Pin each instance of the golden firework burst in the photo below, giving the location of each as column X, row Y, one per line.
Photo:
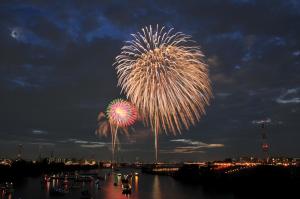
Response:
column 164, row 75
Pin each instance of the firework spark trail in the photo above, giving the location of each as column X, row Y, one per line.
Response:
column 165, row 78
column 104, row 127
column 120, row 115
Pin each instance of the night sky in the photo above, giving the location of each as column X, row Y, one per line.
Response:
column 56, row 75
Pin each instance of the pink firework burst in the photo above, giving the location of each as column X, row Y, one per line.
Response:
column 121, row 113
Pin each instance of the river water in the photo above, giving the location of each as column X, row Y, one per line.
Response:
column 144, row 186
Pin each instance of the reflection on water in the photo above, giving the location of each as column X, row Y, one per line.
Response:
column 136, row 184
column 4, row 195
column 156, row 188
column 109, row 190
column 144, row 186
column 9, row 196
column 6, row 190
column 47, row 187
